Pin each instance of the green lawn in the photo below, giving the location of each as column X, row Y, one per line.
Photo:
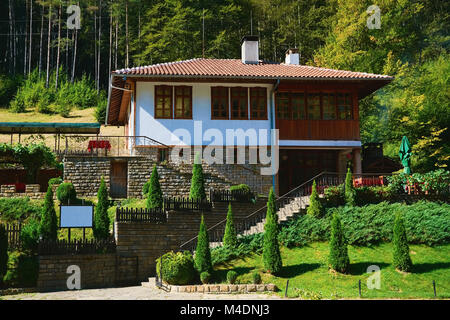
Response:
column 306, row 268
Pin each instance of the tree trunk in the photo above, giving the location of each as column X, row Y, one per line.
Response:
column 110, row 40
column 40, row 41
column 95, row 47
column 48, row 45
column 25, row 47
column 31, row 36
column 12, row 61
column 99, row 45
column 67, row 46
column 59, row 47
column 126, row 33
column 116, row 38
column 74, row 55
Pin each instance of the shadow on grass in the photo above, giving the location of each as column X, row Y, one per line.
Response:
column 296, row 270
column 357, row 269
column 427, row 267
column 221, row 275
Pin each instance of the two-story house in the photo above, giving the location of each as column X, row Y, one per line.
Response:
column 225, row 102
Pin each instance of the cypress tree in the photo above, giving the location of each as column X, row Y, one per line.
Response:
column 315, row 207
column 154, row 195
column 230, row 238
column 338, row 258
column 271, row 250
column 349, row 189
column 202, row 260
column 197, row 191
column 48, row 227
column 101, row 219
column 3, row 252
column 402, row 260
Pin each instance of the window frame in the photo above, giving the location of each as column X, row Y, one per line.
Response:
column 240, row 99
column 164, row 96
column 350, row 106
column 213, row 96
column 183, row 96
column 258, row 97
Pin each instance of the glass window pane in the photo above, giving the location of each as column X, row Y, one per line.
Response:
column 314, row 106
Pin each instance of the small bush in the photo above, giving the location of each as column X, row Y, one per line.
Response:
column 48, row 227
column 402, row 260
column 22, row 271
column 241, row 188
column 231, row 277
column 202, row 260
column 349, row 189
column 205, row 277
column 338, row 258
column 197, row 191
column 101, row 218
column 256, row 278
column 3, row 252
column 66, row 192
column 19, row 209
column 154, row 194
column 177, row 268
column 53, row 181
column 29, row 235
column 271, row 250
column 315, row 207
column 334, row 196
column 230, row 237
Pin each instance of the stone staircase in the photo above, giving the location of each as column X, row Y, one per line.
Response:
column 285, row 213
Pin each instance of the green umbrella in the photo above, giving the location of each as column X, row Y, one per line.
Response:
column 405, row 155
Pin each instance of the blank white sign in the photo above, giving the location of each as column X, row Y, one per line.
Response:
column 76, row 216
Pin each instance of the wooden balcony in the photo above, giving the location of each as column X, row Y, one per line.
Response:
column 318, row 129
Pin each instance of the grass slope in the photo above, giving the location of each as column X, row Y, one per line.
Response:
column 306, row 268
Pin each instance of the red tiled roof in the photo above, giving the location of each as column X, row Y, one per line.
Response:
column 234, row 68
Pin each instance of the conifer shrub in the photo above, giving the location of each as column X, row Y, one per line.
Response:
column 177, row 268
column 197, row 191
column 101, row 218
column 23, row 270
column 315, row 207
column 231, row 276
column 256, row 278
column 3, row 252
column 154, row 194
column 350, row 197
column 202, row 260
column 230, row 238
column 66, row 193
column 48, row 227
column 401, row 258
column 338, row 258
column 271, row 250
column 205, row 277
column 29, row 235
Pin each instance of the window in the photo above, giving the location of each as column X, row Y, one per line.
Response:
column 219, row 102
column 329, row 106
column 283, row 110
column 239, row 103
column 344, row 106
column 314, row 106
column 163, row 102
column 298, row 106
column 258, row 103
column 183, row 102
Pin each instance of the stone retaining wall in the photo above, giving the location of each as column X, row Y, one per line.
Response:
column 224, row 288
column 148, row 241
column 97, row 271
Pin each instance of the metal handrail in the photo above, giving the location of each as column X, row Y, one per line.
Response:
column 292, row 194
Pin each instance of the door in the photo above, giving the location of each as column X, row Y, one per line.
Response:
column 298, row 166
column 119, row 173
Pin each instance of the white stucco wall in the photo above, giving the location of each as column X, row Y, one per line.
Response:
column 163, row 130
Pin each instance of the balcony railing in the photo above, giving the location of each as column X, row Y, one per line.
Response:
column 107, row 146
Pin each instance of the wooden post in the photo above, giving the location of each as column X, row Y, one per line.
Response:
column 68, row 234
column 287, row 285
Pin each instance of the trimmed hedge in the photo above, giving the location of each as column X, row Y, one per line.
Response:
column 425, row 222
column 177, row 268
column 66, row 192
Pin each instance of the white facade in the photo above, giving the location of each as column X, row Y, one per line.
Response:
column 167, row 131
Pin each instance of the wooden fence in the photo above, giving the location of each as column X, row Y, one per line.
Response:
column 13, row 234
column 60, row 247
column 230, row 196
column 156, row 215
column 185, row 204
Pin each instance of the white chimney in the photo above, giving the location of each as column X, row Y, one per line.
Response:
column 250, row 49
column 292, row 56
